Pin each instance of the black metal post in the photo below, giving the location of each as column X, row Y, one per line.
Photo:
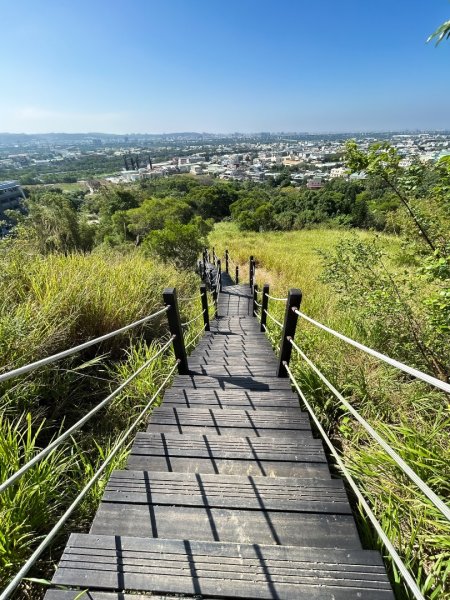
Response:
column 237, row 274
column 265, row 305
column 250, row 266
column 219, row 273
column 294, row 300
column 204, row 297
column 255, row 299
column 214, row 295
column 173, row 316
column 226, row 261
column 254, row 268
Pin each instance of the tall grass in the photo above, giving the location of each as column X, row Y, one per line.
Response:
column 48, row 304
column 412, row 417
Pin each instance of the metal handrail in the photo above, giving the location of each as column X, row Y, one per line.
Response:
column 442, row 385
column 194, row 319
column 50, row 359
column 53, row 445
column 275, row 298
column 190, row 299
column 427, row 491
column 197, row 336
column 51, row 535
column 273, row 318
column 376, row 524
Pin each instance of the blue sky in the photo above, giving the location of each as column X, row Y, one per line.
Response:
column 238, row 65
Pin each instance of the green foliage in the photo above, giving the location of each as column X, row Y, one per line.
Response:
column 153, row 214
column 178, row 244
column 388, row 305
column 50, row 303
column 212, row 202
column 442, row 33
column 365, row 294
column 52, row 224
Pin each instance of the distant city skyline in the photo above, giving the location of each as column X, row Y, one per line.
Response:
column 243, row 66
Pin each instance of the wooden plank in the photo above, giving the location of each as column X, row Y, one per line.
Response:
column 226, row 525
column 231, row 371
column 269, row 457
column 95, row 595
column 221, row 399
column 229, row 422
column 211, row 445
column 232, row 383
column 232, row 570
column 287, row 494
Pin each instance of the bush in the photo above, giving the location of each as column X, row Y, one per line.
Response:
column 177, row 244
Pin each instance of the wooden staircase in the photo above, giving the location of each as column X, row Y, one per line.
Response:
column 227, row 494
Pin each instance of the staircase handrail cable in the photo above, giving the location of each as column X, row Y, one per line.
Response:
column 273, row 319
column 56, row 442
column 188, row 300
column 390, row 361
column 275, row 298
column 376, row 524
column 196, row 337
column 51, row 535
column 55, row 357
column 194, row 319
column 427, row 491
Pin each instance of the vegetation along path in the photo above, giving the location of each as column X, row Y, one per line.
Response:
column 227, row 494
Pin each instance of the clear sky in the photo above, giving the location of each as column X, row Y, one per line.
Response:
column 156, row 66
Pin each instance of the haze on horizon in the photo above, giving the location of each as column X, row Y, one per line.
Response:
column 243, row 66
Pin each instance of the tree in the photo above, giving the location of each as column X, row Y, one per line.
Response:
column 155, row 212
column 441, row 33
column 383, row 160
column 177, row 244
column 52, row 223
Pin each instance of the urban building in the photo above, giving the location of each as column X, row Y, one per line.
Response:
column 11, row 195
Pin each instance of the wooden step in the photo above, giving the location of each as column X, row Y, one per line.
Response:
column 280, row 400
column 247, row 571
column 215, row 370
column 230, row 509
column 283, row 494
column 230, row 422
column 211, row 453
column 259, row 383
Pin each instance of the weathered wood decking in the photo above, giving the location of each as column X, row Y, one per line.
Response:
column 227, row 495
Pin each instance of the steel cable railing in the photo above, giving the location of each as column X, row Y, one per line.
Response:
column 196, row 337
column 275, row 298
column 190, row 299
column 55, row 357
column 442, row 385
column 427, row 491
column 55, row 443
column 377, row 526
column 54, row 531
column 193, row 319
column 273, row 319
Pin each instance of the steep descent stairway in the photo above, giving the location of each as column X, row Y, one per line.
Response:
column 227, row 494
